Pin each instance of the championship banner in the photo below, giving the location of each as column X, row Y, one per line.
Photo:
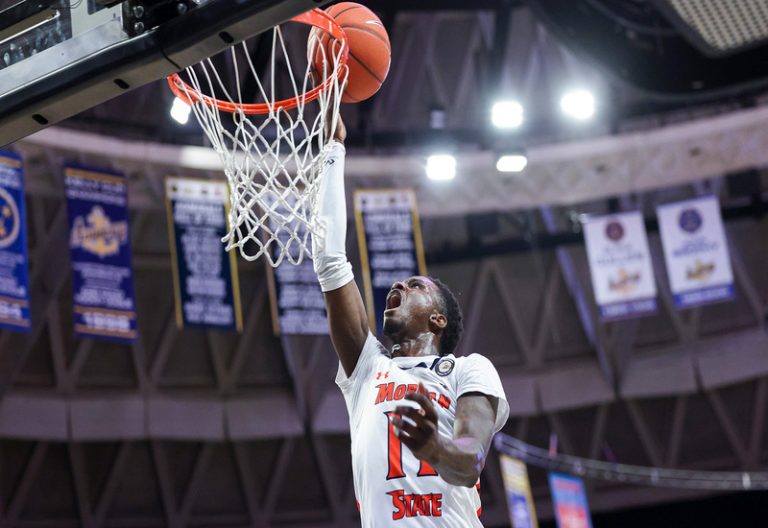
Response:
column 14, row 274
column 696, row 252
column 620, row 265
column 518, row 488
column 205, row 282
column 569, row 501
column 391, row 249
column 99, row 243
column 298, row 305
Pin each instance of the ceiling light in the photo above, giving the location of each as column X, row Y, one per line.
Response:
column 511, row 163
column 437, row 119
column 180, row 111
column 507, row 114
column 578, row 104
column 441, row 167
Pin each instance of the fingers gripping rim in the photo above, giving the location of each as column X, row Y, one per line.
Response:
column 316, row 18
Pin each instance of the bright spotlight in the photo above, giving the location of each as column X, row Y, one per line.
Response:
column 441, row 167
column 511, row 163
column 578, row 104
column 507, row 114
column 180, row 111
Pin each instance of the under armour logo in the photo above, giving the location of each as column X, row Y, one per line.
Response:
column 379, row 374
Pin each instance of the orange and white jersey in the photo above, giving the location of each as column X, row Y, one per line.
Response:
column 392, row 486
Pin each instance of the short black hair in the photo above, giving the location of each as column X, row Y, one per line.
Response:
column 452, row 311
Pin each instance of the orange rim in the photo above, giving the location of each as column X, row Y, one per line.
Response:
column 316, row 18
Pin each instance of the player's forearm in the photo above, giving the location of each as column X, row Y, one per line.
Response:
column 329, row 252
column 458, row 461
column 346, row 313
column 348, row 323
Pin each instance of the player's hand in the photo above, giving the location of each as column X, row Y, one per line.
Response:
column 339, row 133
column 417, row 427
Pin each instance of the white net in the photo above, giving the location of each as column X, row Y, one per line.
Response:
column 272, row 146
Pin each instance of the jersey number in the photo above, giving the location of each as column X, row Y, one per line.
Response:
column 395, row 458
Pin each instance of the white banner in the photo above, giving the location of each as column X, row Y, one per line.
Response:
column 620, row 265
column 695, row 251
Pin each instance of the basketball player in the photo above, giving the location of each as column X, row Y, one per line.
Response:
column 444, row 409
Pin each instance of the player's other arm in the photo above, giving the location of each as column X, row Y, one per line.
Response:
column 347, row 318
column 458, row 460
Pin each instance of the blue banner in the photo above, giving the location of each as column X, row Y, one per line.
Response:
column 205, row 278
column 298, row 306
column 14, row 275
column 99, row 243
column 569, row 501
column 391, row 250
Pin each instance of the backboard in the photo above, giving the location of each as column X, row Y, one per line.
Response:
column 60, row 57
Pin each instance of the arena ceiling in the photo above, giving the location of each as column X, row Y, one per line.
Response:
column 213, row 429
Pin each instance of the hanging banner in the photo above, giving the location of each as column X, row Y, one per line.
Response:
column 99, row 243
column 569, row 501
column 518, row 488
column 298, row 305
column 696, row 252
column 205, row 281
column 620, row 265
column 391, row 249
column 14, row 274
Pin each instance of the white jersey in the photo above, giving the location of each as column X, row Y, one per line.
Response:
column 394, row 488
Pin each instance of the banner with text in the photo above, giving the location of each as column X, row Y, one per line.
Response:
column 205, row 278
column 14, row 273
column 518, row 488
column 99, row 243
column 569, row 501
column 696, row 251
column 389, row 236
column 620, row 265
column 298, row 306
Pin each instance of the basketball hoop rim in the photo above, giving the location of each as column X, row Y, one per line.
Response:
column 316, row 18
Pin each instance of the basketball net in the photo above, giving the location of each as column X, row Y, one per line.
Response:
column 272, row 152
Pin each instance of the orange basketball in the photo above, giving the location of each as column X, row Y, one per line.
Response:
column 369, row 50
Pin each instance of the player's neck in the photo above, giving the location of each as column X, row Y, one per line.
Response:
column 422, row 345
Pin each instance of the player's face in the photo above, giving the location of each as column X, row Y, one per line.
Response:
column 410, row 303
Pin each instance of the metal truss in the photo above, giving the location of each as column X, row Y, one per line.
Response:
column 557, row 174
column 628, row 474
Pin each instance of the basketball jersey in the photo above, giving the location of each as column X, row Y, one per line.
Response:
column 394, row 488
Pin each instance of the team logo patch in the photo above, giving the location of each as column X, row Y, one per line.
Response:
column 614, row 231
column 445, row 367
column 10, row 221
column 690, row 220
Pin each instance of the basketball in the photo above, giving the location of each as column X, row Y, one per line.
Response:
column 369, row 50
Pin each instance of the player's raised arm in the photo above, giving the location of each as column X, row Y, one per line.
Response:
column 347, row 318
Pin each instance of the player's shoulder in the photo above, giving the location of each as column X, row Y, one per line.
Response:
column 374, row 346
column 473, row 361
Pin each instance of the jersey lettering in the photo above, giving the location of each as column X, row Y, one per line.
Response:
column 395, row 450
column 425, row 470
column 414, row 505
column 393, row 391
column 395, row 455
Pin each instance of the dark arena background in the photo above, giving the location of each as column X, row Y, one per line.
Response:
column 634, row 359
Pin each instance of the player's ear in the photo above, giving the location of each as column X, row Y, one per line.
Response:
column 437, row 321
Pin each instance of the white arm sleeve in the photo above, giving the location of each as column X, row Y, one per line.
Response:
column 329, row 255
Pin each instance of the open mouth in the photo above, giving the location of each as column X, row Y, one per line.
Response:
column 394, row 299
